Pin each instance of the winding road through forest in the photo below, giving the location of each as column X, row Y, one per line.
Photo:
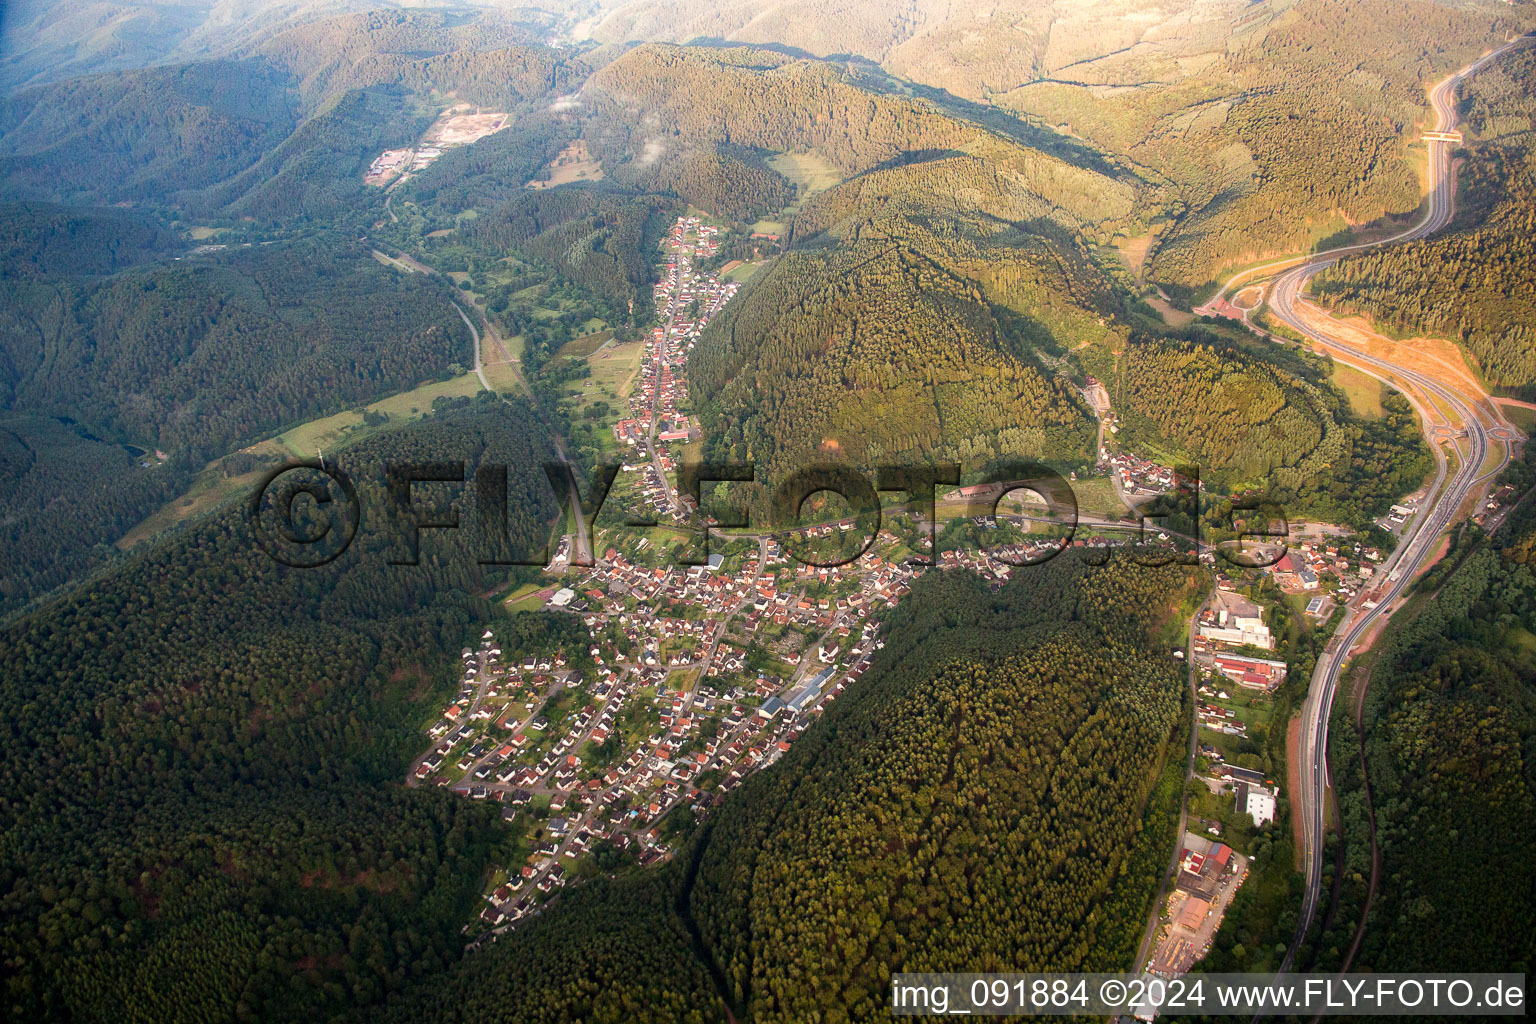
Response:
column 1445, row 496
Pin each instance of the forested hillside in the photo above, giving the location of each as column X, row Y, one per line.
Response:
column 668, row 96
column 603, row 240
column 316, row 173
column 195, row 359
column 41, row 240
column 49, row 40
column 926, row 311
column 1257, row 419
column 1274, row 124
column 200, row 807
column 1266, row 126
column 495, row 169
column 482, row 56
column 876, row 349
column 1237, row 418
column 141, row 135
column 65, row 496
column 1447, row 729
column 950, row 800
column 1246, row 137
column 660, row 104
column 211, row 354
column 612, row 951
column 282, row 135
column 983, row 797
column 1476, row 283
column 729, row 181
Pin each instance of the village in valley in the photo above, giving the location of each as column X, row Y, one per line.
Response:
column 691, row 677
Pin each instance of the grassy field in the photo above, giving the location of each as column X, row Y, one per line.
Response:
column 1133, row 251
column 530, row 597
column 1363, row 390
column 574, row 163
column 809, row 172
column 1521, row 417
column 504, row 377
column 579, row 348
column 1443, row 408
column 743, row 273
column 210, row 489
column 1522, row 641
column 307, row 438
column 1171, row 316
column 1096, row 495
column 615, row 370
column 707, row 217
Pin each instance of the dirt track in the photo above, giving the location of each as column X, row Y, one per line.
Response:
column 1433, row 357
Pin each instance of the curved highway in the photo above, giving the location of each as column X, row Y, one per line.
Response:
column 1441, row 197
column 1440, row 504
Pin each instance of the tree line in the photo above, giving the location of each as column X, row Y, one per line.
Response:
column 200, row 802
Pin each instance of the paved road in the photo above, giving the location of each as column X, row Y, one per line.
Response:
column 475, row 333
column 676, row 309
column 1154, row 917
column 1442, row 500
column 581, row 541
column 674, row 317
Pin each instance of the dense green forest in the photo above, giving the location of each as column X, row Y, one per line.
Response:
column 316, row 173
column 874, row 350
column 753, row 97
column 66, row 496
column 1475, row 284
column 729, row 181
column 886, row 331
column 611, row 951
column 602, row 240
column 41, row 240
column 479, row 57
column 1307, row 149
column 212, row 353
column 200, row 809
column 1237, row 418
column 1442, row 751
column 913, row 316
column 979, row 799
column 1256, row 419
column 280, row 137
column 141, row 135
column 194, row 358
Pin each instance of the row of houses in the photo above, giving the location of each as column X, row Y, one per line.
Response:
column 685, row 301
